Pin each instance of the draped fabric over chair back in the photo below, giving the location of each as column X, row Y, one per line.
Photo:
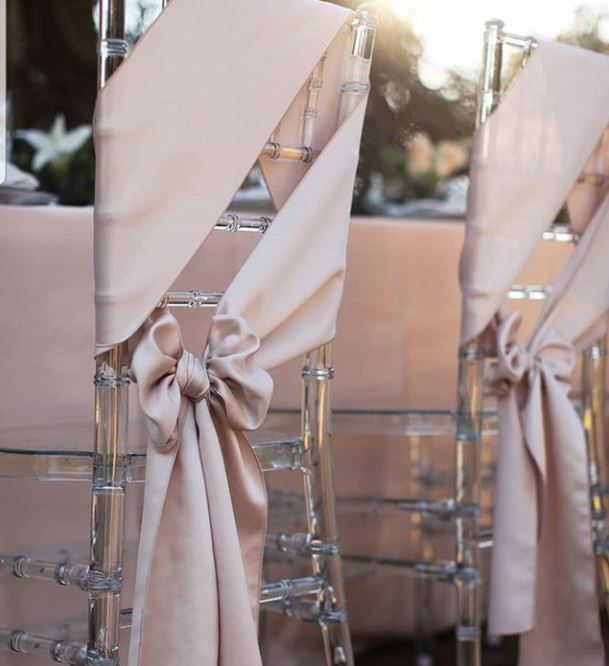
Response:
column 178, row 127
column 527, row 158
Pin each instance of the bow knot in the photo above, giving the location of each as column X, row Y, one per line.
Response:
column 227, row 376
column 548, row 352
column 541, row 490
column 192, row 377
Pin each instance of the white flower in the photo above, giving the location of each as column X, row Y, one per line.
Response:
column 420, row 155
column 57, row 143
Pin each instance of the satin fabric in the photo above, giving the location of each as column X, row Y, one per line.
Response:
column 527, row 157
column 530, row 151
column 200, row 554
column 199, row 61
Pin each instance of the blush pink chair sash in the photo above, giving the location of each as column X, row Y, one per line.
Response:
column 177, row 129
column 527, row 157
column 200, row 70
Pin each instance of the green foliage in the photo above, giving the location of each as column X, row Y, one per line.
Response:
column 401, row 106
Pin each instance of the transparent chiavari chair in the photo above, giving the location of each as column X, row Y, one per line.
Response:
column 471, row 389
column 474, row 428
column 112, row 466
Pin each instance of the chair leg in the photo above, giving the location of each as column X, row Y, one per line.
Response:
column 420, row 451
column 320, row 505
column 423, row 592
column 467, row 496
column 108, row 503
column 593, row 415
column 111, row 418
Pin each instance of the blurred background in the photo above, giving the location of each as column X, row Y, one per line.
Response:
column 416, row 141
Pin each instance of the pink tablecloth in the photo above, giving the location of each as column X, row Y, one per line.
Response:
column 397, row 332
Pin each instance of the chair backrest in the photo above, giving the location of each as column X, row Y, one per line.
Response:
column 593, row 360
column 593, row 364
column 111, row 466
column 308, row 117
column 471, row 388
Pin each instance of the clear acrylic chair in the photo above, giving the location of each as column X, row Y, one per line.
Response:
column 474, row 430
column 471, row 391
column 318, row 597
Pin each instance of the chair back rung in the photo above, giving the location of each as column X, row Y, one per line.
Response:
column 193, row 299
column 234, row 222
column 275, row 151
column 518, row 41
column 560, row 233
column 529, row 292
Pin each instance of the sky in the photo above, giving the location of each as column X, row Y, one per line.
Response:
column 451, row 30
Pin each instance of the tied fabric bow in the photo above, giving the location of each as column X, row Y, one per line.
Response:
column 238, row 390
column 549, row 354
column 543, row 576
column 543, row 133
column 188, row 402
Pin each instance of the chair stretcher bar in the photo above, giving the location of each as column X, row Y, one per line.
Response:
column 58, row 651
column 77, row 654
column 443, row 571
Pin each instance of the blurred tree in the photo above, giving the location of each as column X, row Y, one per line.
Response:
column 51, row 70
column 401, row 106
column 51, row 61
column 587, row 30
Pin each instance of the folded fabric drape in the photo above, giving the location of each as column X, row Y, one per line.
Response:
column 527, row 157
column 178, row 127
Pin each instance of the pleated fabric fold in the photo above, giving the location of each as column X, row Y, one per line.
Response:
column 527, row 159
column 177, row 129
